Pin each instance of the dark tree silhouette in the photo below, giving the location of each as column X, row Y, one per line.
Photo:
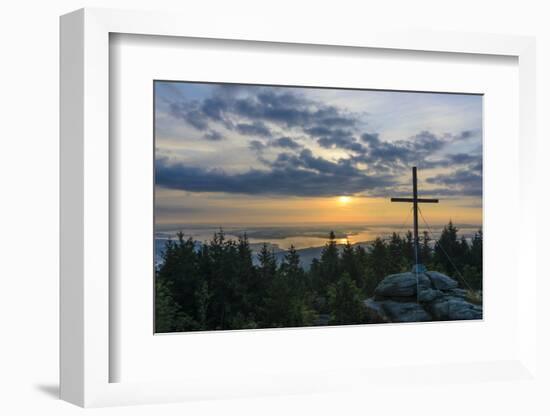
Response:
column 346, row 302
column 219, row 285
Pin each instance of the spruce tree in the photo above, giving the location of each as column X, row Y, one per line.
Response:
column 350, row 264
column 463, row 254
column 396, row 261
column 329, row 264
column 477, row 251
column 215, row 284
column 362, row 261
column 179, row 274
column 268, row 263
column 473, row 272
column 346, row 302
column 377, row 265
column 446, row 249
column 426, row 250
column 249, row 289
column 288, row 302
column 408, row 250
column 166, row 310
column 224, row 302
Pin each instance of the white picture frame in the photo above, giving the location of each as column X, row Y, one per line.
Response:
column 85, row 210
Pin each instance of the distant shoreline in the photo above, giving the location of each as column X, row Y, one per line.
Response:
column 280, row 242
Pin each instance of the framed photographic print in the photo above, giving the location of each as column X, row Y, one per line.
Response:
column 293, row 224
column 281, row 213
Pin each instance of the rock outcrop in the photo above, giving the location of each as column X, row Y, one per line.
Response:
column 439, row 299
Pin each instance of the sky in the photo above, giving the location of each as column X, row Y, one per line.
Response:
column 233, row 154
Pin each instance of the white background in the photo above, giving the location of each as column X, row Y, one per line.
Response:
column 29, row 224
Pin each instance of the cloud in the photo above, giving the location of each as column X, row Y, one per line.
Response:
column 282, row 142
column 213, row 135
column 330, row 138
column 286, row 142
column 310, row 176
column 214, row 108
column 464, row 158
column 161, row 209
column 461, row 181
column 191, row 113
column 465, row 134
column 254, row 129
column 275, row 117
column 471, row 161
column 428, row 142
column 247, row 109
column 256, row 146
column 370, row 138
column 398, row 155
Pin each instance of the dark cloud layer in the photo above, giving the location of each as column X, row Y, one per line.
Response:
column 462, row 181
column 263, row 106
column 273, row 118
column 286, row 142
column 302, row 175
column 253, row 129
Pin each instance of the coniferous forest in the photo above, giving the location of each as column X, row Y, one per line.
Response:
column 220, row 285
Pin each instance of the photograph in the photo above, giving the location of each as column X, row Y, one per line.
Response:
column 297, row 206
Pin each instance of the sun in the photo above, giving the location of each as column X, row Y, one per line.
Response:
column 344, row 200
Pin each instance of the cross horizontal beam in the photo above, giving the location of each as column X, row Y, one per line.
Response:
column 424, row 200
column 415, row 200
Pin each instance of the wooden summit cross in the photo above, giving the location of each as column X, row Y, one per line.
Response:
column 418, row 267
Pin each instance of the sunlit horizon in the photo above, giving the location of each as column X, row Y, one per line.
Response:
column 231, row 155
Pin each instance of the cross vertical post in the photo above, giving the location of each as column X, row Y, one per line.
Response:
column 415, row 214
column 418, row 267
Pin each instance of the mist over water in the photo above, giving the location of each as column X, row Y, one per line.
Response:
column 302, row 237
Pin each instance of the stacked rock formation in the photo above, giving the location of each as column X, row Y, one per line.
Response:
column 439, row 299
